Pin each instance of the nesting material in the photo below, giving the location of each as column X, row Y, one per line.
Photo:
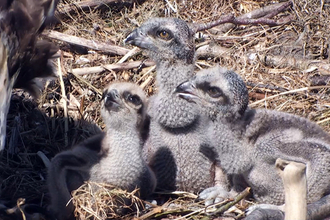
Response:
column 103, row 201
column 38, row 125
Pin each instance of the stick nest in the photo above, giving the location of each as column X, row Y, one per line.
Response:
column 285, row 68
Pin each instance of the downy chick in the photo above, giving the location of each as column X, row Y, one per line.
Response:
column 248, row 141
column 113, row 157
column 177, row 149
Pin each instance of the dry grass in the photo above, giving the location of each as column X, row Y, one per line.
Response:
column 260, row 54
column 102, row 201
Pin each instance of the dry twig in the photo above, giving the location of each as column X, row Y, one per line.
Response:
column 64, row 101
column 288, row 92
column 238, row 198
column 116, row 66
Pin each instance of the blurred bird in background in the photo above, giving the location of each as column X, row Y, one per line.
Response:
column 23, row 58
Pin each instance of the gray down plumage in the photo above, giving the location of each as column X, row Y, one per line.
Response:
column 250, row 140
column 113, row 157
column 177, row 149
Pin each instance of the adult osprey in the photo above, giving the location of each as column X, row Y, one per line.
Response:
column 23, row 58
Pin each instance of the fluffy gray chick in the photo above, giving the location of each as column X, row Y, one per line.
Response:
column 177, row 148
column 23, row 58
column 170, row 43
column 114, row 157
column 249, row 141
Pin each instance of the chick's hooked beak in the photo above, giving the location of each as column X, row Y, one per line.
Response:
column 138, row 38
column 130, row 39
column 111, row 99
column 187, row 91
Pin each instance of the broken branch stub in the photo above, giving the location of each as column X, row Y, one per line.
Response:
column 293, row 175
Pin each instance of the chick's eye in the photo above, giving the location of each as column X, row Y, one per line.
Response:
column 214, row 92
column 135, row 99
column 164, row 35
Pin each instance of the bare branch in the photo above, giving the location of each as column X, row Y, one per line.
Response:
column 91, row 44
column 268, row 11
column 259, row 16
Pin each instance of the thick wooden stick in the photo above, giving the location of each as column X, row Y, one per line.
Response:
column 91, row 44
column 116, row 66
column 293, row 175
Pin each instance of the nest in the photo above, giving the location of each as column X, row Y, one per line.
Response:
column 285, row 68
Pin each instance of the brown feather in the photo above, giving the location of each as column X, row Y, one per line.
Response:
column 23, row 58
